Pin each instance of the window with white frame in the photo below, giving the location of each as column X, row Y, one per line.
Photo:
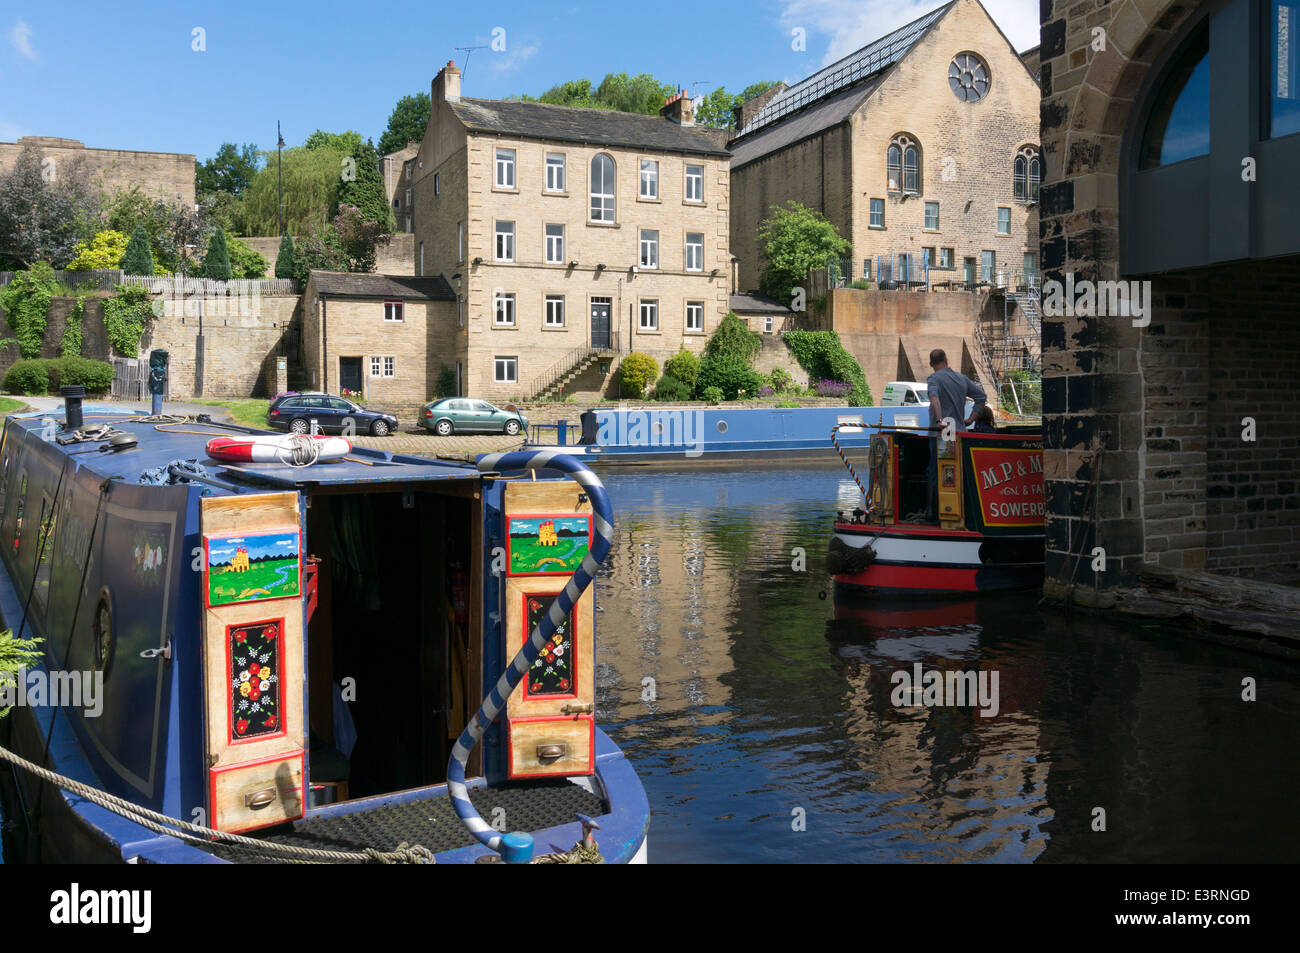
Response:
column 694, row 251
column 1004, row 221
column 505, row 245
column 1026, row 174
column 988, row 261
column 375, row 367
column 505, row 370
column 422, row 258
column 903, row 160
column 877, row 219
column 504, row 311
column 555, row 244
column 392, row 311
column 767, row 324
column 695, row 316
column 389, row 366
column 555, row 311
column 649, row 179
column 649, row 248
column 650, row 315
column 602, row 189
column 505, row 168
column 460, row 243
column 932, row 216
column 437, row 184
column 460, row 311
column 695, row 183
column 945, row 258
column 555, row 171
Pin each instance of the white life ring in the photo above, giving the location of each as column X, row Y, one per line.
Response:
column 274, row 449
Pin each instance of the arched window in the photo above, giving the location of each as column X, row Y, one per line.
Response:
column 1026, row 174
column 602, row 189
column 1178, row 126
column 904, row 165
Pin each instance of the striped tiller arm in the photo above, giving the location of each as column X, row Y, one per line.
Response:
column 602, row 524
column 840, row 450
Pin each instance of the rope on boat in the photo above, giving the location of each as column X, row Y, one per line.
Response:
column 518, row 847
column 203, row 836
column 299, row 451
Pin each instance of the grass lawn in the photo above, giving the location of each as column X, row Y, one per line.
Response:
column 268, row 580
column 10, row 404
column 250, row 413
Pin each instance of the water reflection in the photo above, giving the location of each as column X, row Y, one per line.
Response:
column 753, row 704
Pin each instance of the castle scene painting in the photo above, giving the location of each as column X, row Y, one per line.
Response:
column 540, row 545
column 251, row 568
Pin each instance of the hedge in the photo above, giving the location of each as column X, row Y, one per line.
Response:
column 45, row 375
column 821, row 354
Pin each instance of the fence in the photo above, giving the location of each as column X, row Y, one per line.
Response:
column 99, row 279
column 106, row 279
column 131, row 379
column 908, row 272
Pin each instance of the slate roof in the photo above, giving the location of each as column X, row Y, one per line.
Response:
column 601, row 127
column 756, row 304
column 830, row 95
column 340, row 284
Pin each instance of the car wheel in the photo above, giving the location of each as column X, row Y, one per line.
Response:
column 298, row 426
column 442, row 428
column 379, row 428
column 512, row 427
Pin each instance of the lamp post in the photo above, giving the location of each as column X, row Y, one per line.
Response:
column 279, row 182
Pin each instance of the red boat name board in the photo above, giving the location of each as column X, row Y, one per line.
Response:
column 1010, row 486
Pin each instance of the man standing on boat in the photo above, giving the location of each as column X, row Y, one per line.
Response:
column 948, row 391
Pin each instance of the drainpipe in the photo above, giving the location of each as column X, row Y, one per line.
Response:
column 324, row 346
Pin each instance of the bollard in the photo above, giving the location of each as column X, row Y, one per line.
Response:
column 562, row 433
column 517, row 848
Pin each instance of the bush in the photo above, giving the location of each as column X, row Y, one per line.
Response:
column 126, row 316
column 765, row 391
column 638, row 371
column 734, row 339
column 826, row 388
column 105, row 250
column 27, row 377
column 788, row 403
column 244, row 262
column 95, row 376
column 780, row 380
column 138, row 257
column 685, row 367
column 713, row 395
column 821, row 354
column 70, row 346
column 26, row 304
column 670, row 388
column 729, row 374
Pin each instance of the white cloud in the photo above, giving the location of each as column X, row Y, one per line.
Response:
column 852, row 24
column 514, row 56
column 20, row 38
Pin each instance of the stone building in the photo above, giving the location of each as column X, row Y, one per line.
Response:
column 385, row 337
column 921, row 147
column 393, row 167
column 1171, row 132
column 571, row 237
column 166, row 175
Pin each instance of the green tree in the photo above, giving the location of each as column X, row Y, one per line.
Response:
column 319, row 249
column 684, row 366
column 216, row 264
column 231, row 170
column 361, row 185
column 734, row 339
column 284, row 260
column 333, row 141
column 406, row 123
column 137, row 259
column 794, row 240
column 634, row 94
column 358, row 238
column 244, row 261
column 718, row 107
column 636, row 372
column 47, row 206
column 104, row 251
column 311, row 181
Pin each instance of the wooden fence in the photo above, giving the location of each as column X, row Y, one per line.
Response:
column 106, row 279
column 131, row 379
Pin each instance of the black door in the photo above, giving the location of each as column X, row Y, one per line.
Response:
column 350, row 374
column 600, row 336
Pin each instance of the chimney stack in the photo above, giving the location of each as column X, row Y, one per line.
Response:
column 446, row 85
column 680, row 109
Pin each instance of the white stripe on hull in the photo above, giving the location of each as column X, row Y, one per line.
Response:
column 893, row 549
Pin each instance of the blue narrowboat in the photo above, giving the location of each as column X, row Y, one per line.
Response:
column 378, row 657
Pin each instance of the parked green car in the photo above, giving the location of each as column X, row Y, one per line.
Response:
column 467, row 414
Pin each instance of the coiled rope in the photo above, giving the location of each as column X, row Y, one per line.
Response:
column 301, row 451
column 517, row 846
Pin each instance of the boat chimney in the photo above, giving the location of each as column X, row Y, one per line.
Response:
column 72, row 396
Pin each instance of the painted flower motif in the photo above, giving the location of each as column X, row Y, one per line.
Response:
column 254, row 669
column 254, row 694
column 271, row 632
column 244, row 689
column 254, row 684
column 270, row 721
column 564, row 683
column 241, row 726
column 244, row 675
column 241, row 637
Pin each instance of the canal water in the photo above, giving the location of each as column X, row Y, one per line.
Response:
column 757, row 709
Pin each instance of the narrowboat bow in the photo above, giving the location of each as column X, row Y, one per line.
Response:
column 989, row 532
column 295, row 654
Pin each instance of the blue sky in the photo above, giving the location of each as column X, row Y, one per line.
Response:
column 258, row 546
column 125, row 75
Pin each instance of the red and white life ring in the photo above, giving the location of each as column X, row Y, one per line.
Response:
column 274, row 449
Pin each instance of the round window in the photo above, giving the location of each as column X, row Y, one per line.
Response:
column 968, row 77
column 722, row 426
column 101, row 628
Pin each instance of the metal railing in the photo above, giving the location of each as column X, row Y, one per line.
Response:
column 567, row 364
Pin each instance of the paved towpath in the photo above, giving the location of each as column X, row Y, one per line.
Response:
column 417, row 442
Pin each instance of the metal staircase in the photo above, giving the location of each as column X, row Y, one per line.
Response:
column 567, row 368
column 1002, row 350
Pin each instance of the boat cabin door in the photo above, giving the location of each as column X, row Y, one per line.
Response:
column 251, row 568
column 550, row 717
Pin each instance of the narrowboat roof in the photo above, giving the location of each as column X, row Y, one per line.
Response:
column 187, row 442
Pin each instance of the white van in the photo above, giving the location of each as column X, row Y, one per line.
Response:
column 898, row 393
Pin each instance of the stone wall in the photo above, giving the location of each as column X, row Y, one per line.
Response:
column 241, row 338
column 94, row 339
column 168, row 175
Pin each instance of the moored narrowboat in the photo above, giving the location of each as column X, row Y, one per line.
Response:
column 378, row 657
column 988, row 534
